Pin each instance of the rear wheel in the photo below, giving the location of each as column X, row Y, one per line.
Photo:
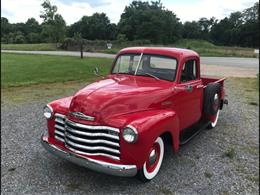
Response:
column 153, row 162
column 213, row 121
column 216, row 107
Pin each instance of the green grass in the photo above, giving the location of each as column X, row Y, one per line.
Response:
column 193, row 43
column 30, row 47
column 208, row 174
column 203, row 48
column 24, row 70
column 230, row 153
column 250, row 90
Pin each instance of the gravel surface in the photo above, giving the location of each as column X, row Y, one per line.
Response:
column 224, row 160
column 218, row 61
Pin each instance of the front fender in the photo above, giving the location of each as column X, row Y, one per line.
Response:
column 60, row 106
column 150, row 125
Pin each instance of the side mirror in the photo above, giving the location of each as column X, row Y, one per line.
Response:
column 96, row 71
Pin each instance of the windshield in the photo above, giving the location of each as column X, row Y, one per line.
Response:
column 159, row 67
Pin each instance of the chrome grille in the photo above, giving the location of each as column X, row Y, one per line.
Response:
column 88, row 139
column 59, row 127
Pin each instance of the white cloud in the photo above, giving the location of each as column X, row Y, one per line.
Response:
column 20, row 11
column 207, row 8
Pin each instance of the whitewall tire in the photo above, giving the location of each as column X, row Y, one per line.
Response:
column 213, row 121
column 153, row 161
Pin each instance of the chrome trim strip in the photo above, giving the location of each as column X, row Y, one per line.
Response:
column 93, row 154
column 80, row 115
column 59, row 133
column 59, row 127
column 137, row 67
column 92, row 134
column 59, row 120
column 60, row 115
column 91, row 141
column 91, row 147
column 92, row 127
column 58, row 138
column 133, row 128
column 100, row 166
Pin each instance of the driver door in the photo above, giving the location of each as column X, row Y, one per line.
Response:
column 190, row 95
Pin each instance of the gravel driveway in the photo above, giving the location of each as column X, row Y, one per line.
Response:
column 220, row 161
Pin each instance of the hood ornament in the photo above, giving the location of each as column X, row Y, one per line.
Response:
column 82, row 116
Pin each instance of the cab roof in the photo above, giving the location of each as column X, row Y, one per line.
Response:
column 168, row 51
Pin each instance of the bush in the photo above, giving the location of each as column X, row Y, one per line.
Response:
column 33, row 38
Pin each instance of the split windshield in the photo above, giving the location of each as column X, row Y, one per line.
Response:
column 159, row 67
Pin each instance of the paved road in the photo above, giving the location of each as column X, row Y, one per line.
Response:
column 219, row 61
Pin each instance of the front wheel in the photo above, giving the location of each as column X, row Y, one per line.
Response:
column 153, row 162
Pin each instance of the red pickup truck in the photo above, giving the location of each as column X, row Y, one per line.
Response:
column 120, row 125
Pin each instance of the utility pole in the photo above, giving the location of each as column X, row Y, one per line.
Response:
column 81, row 48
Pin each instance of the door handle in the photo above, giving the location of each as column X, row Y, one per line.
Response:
column 199, row 86
column 189, row 88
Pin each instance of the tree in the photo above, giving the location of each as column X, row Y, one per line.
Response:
column 191, row 30
column 205, row 27
column 150, row 21
column 32, row 26
column 6, row 27
column 33, row 37
column 94, row 27
column 54, row 26
column 19, row 37
column 239, row 29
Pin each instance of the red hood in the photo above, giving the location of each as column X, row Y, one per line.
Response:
column 120, row 94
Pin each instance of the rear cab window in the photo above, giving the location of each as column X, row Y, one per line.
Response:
column 189, row 71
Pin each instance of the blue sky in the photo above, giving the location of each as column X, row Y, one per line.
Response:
column 73, row 10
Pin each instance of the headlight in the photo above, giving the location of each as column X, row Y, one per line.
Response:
column 47, row 111
column 130, row 134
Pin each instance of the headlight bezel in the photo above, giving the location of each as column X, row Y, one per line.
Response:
column 50, row 112
column 132, row 132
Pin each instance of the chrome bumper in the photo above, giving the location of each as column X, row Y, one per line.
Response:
column 100, row 166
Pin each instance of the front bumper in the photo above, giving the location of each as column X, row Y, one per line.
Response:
column 100, row 166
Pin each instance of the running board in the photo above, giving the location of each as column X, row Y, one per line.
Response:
column 191, row 132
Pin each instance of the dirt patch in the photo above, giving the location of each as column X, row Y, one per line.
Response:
column 227, row 71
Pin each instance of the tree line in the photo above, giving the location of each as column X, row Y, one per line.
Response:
column 149, row 21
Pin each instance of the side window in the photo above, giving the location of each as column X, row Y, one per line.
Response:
column 189, row 71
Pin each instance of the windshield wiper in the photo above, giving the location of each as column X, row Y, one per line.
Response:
column 151, row 75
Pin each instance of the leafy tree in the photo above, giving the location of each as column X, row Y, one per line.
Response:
column 19, row 37
column 150, row 21
column 32, row 26
column 6, row 27
column 33, row 38
column 240, row 28
column 191, row 30
column 54, row 26
column 93, row 27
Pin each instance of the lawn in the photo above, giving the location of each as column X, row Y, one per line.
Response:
column 25, row 70
column 30, row 47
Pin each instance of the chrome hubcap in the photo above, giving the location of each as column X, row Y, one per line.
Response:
column 152, row 157
column 215, row 97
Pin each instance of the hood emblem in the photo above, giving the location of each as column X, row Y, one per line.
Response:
column 82, row 116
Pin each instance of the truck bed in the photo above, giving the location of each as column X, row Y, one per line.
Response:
column 207, row 80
